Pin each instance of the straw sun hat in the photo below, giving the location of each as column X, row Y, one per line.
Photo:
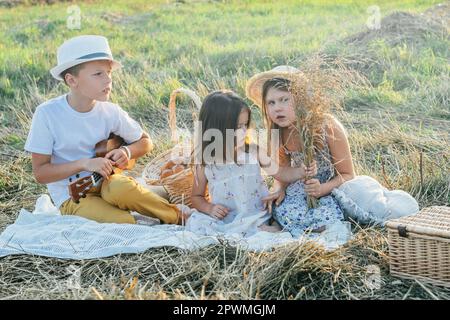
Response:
column 82, row 49
column 255, row 84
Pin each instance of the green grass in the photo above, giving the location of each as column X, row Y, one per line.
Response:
column 403, row 115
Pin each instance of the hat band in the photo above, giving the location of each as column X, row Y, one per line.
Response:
column 96, row 55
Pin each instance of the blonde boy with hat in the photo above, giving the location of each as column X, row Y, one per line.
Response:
column 65, row 130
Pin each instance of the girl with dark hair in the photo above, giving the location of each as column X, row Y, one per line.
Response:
column 229, row 170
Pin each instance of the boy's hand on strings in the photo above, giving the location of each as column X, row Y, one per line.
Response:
column 119, row 156
column 310, row 171
column 313, row 188
column 102, row 166
column 277, row 196
column 218, row 211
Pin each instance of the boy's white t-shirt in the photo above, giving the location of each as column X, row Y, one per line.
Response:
column 68, row 135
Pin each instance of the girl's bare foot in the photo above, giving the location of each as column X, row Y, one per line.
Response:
column 185, row 212
column 267, row 228
column 144, row 220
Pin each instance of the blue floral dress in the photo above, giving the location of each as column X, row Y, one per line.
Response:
column 293, row 213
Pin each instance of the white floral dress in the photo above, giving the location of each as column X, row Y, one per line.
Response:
column 239, row 188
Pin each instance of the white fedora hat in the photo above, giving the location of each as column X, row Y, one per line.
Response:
column 255, row 84
column 82, row 49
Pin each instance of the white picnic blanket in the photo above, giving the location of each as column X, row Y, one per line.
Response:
column 47, row 233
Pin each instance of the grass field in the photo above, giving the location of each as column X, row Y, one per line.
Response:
column 398, row 126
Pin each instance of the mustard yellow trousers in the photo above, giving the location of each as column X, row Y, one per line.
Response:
column 114, row 200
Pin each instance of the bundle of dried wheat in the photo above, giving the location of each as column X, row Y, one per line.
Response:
column 316, row 90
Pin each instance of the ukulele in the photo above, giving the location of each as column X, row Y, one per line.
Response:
column 82, row 186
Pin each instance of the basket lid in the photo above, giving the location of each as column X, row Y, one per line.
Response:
column 432, row 221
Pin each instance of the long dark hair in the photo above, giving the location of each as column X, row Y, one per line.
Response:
column 220, row 110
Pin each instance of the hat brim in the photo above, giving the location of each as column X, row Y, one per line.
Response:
column 56, row 71
column 255, row 84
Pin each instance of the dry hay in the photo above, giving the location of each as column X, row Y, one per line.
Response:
column 439, row 13
column 400, row 27
column 297, row 271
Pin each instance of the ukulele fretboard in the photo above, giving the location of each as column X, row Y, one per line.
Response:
column 97, row 177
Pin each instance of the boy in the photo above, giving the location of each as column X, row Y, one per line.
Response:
column 65, row 130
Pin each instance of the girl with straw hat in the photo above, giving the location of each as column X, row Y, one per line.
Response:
column 278, row 93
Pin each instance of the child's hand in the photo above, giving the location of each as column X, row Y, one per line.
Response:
column 313, row 188
column 310, row 171
column 277, row 196
column 119, row 156
column 102, row 166
column 218, row 211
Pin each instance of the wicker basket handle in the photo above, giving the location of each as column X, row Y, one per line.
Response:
column 172, row 107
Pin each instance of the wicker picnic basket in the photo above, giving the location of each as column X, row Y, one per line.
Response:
column 419, row 246
column 177, row 185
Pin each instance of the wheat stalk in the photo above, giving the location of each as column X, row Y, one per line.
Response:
column 304, row 127
column 317, row 89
